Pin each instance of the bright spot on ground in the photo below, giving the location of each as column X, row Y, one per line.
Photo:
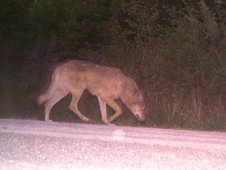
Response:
column 118, row 135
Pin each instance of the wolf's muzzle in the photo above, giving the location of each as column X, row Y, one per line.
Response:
column 140, row 118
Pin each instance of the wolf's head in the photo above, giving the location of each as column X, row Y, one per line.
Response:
column 137, row 106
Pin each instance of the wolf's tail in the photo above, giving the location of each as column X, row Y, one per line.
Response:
column 42, row 99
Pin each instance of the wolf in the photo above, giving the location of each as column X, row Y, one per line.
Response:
column 107, row 83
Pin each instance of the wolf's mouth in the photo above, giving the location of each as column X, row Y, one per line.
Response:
column 140, row 118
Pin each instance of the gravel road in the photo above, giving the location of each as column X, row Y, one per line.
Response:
column 31, row 144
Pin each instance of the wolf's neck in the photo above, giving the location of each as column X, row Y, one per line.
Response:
column 126, row 100
column 130, row 90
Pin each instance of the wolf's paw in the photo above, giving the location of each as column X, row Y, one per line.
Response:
column 87, row 120
column 106, row 121
column 111, row 124
column 111, row 118
column 48, row 120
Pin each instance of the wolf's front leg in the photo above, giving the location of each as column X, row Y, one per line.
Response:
column 115, row 106
column 103, row 110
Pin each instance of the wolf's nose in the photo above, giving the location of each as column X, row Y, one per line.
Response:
column 140, row 118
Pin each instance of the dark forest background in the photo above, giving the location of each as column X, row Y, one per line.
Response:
column 175, row 50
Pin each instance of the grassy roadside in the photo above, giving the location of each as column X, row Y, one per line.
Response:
column 18, row 100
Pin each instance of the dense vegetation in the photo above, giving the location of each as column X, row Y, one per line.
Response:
column 175, row 50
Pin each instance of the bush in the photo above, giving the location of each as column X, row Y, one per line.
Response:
column 182, row 74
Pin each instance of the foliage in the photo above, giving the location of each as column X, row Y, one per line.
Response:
column 182, row 71
column 14, row 21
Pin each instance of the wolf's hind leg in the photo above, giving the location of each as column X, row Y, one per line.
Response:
column 74, row 106
column 52, row 100
column 103, row 110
